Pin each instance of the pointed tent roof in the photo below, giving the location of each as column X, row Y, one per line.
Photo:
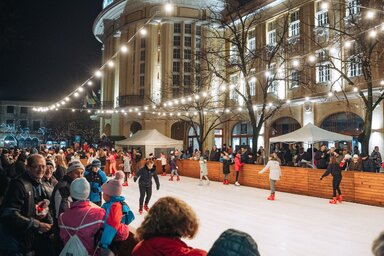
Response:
column 151, row 138
column 310, row 133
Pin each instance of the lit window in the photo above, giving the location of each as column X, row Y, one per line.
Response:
column 271, row 33
column 323, row 74
column 321, row 18
column 294, row 79
column 354, row 66
column 272, row 80
column 233, row 53
column 294, row 24
column 352, row 7
column 251, row 41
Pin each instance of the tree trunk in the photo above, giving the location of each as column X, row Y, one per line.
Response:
column 366, row 134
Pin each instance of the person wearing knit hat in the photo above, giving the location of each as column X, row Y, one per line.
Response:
column 61, row 198
column 83, row 218
column 96, row 178
column 118, row 214
column 80, row 189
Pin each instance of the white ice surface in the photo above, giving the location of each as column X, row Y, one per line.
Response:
column 293, row 225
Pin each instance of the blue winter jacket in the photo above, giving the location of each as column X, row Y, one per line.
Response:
column 96, row 180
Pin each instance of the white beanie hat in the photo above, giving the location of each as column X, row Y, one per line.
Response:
column 114, row 187
column 80, row 189
column 76, row 164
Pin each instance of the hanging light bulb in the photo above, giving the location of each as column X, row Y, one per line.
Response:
column 76, row 94
column 98, row 73
column 143, row 32
column 124, row 49
column 67, row 99
column 80, row 89
column 370, row 15
column 311, row 58
column 111, row 64
column 168, row 7
column 89, row 83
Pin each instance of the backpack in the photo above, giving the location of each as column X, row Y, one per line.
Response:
column 74, row 246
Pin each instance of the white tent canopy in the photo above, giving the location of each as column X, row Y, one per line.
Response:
column 150, row 140
column 310, row 133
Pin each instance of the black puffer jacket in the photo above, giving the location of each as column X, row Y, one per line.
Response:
column 234, row 243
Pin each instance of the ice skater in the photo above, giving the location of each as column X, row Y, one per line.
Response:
column 274, row 174
column 174, row 167
column 203, row 171
column 145, row 176
column 127, row 167
column 227, row 162
column 334, row 169
column 163, row 160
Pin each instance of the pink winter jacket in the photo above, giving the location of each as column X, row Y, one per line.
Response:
column 70, row 220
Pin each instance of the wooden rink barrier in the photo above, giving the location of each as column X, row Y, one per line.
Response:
column 358, row 187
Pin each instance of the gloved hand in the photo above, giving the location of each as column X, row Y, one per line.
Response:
column 321, row 178
column 158, row 187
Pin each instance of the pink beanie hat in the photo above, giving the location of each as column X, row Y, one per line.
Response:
column 114, row 187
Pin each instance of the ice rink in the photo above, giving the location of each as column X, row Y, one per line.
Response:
column 293, row 225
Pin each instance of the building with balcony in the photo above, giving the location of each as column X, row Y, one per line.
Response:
column 310, row 57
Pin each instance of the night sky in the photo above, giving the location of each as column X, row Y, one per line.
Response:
column 47, row 47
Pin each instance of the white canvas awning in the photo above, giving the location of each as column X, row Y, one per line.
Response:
column 310, row 133
column 150, row 139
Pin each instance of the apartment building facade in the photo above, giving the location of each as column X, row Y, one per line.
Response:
column 318, row 74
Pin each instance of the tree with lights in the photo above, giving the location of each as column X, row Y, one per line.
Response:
column 253, row 71
column 202, row 109
column 348, row 39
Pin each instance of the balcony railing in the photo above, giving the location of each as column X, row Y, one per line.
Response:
column 130, row 100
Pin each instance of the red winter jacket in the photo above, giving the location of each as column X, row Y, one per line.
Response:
column 238, row 163
column 165, row 246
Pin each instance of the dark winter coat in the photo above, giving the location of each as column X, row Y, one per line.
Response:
column 321, row 159
column 145, row 177
column 356, row 166
column 333, row 169
column 59, row 172
column 226, row 165
column 18, row 216
column 368, row 165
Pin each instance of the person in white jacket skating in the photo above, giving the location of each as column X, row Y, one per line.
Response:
column 274, row 174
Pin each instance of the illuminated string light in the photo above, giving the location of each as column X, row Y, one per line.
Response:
column 111, row 64
column 124, row 49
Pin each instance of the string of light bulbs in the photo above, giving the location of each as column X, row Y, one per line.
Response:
column 142, row 31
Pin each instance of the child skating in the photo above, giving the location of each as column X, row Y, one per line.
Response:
column 274, row 174
column 203, row 171
column 174, row 167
